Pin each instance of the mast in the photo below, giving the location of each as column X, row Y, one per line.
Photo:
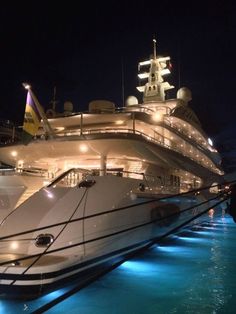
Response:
column 154, row 48
column 155, row 87
column 54, row 101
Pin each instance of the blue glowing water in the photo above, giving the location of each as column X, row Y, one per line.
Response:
column 191, row 272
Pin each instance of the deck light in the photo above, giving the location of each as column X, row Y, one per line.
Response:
column 14, row 245
column 14, row 153
column 157, row 116
column 119, row 122
column 83, row 148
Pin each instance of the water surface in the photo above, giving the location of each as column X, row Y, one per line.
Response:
column 190, row 272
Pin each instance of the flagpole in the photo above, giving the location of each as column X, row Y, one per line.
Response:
column 46, row 125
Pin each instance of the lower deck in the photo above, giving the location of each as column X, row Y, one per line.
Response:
column 166, row 271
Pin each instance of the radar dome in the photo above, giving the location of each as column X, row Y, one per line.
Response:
column 131, row 100
column 68, row 106
column 184, row 94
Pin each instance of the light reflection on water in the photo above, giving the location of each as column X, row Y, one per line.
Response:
column 191, row 272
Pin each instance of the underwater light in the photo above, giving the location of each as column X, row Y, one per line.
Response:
column 170, row 249
column 205, row 232
column 137, row 266
column 53, row 295
column 191, row 239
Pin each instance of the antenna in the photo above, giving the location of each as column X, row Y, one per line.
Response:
column 179, row 65
column 54, row 98
column 54, row 101
column 154, row 48
column 122, row 82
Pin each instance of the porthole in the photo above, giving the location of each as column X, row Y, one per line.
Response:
column 44, row 240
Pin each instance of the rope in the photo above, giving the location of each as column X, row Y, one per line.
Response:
column 110, row 211
column 46, row 252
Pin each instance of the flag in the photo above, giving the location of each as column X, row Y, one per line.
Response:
column 31, row 119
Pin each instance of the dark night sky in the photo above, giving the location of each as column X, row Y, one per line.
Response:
column 81, row 50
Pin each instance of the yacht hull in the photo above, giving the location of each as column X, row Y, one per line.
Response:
column 94, row 228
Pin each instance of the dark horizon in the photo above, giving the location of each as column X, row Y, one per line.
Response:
column 83, row 52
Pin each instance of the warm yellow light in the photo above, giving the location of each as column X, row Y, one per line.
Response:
column 20, row 163
column 157, row 116
column 61, row 128
column 118, row 122
column 83, row 148
column 14, row 245
column 14, row 153
column 143, row 75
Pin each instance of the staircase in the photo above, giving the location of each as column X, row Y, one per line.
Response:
column 26, row 194
column 32, row 185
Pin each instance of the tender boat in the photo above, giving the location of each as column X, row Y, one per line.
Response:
column 88, row 189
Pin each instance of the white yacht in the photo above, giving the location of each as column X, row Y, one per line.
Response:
column 89, row 189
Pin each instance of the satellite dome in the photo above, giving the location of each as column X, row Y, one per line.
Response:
column 131, row 100
column 68, row 106
column 184, row 94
